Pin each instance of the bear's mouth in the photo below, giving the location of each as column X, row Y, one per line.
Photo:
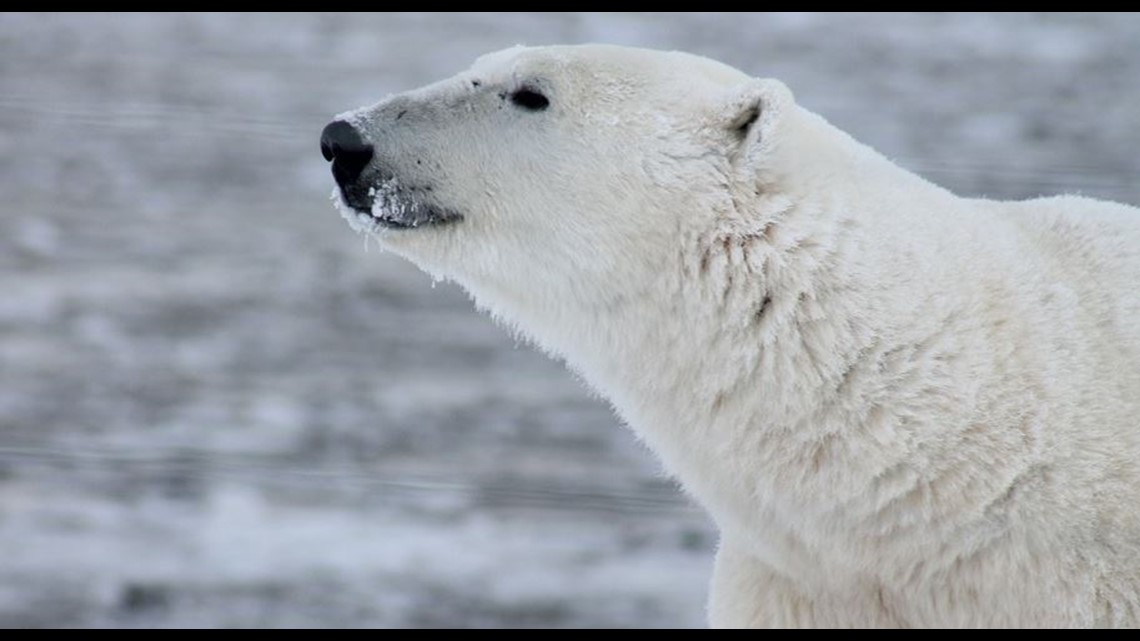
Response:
column 390, row 205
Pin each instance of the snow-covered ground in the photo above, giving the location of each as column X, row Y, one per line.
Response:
column 218, row 409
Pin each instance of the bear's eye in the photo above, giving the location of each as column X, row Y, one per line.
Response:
column 530, row 99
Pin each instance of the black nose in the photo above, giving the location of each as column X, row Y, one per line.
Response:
column 346, row 148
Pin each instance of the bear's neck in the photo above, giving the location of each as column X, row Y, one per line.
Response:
column 746, row 368
column 759, row 364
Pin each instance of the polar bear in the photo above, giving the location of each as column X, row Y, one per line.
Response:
column 901, row 407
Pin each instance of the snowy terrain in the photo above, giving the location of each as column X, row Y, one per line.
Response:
column 217, row 408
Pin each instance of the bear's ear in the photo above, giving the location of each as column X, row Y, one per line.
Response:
column 752, row 115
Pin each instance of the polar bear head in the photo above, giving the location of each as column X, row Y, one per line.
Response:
column 556, row 178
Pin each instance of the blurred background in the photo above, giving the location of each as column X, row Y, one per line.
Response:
column 212, row 409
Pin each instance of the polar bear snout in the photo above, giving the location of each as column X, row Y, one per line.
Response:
column 349, row 153
column 370, row 194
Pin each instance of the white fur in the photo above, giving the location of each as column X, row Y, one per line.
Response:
column 902, row 407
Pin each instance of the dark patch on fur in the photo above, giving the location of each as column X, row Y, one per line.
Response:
column 750, row 119
column 763, row 308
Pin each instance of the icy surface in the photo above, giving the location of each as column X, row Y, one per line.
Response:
column 216, row 409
